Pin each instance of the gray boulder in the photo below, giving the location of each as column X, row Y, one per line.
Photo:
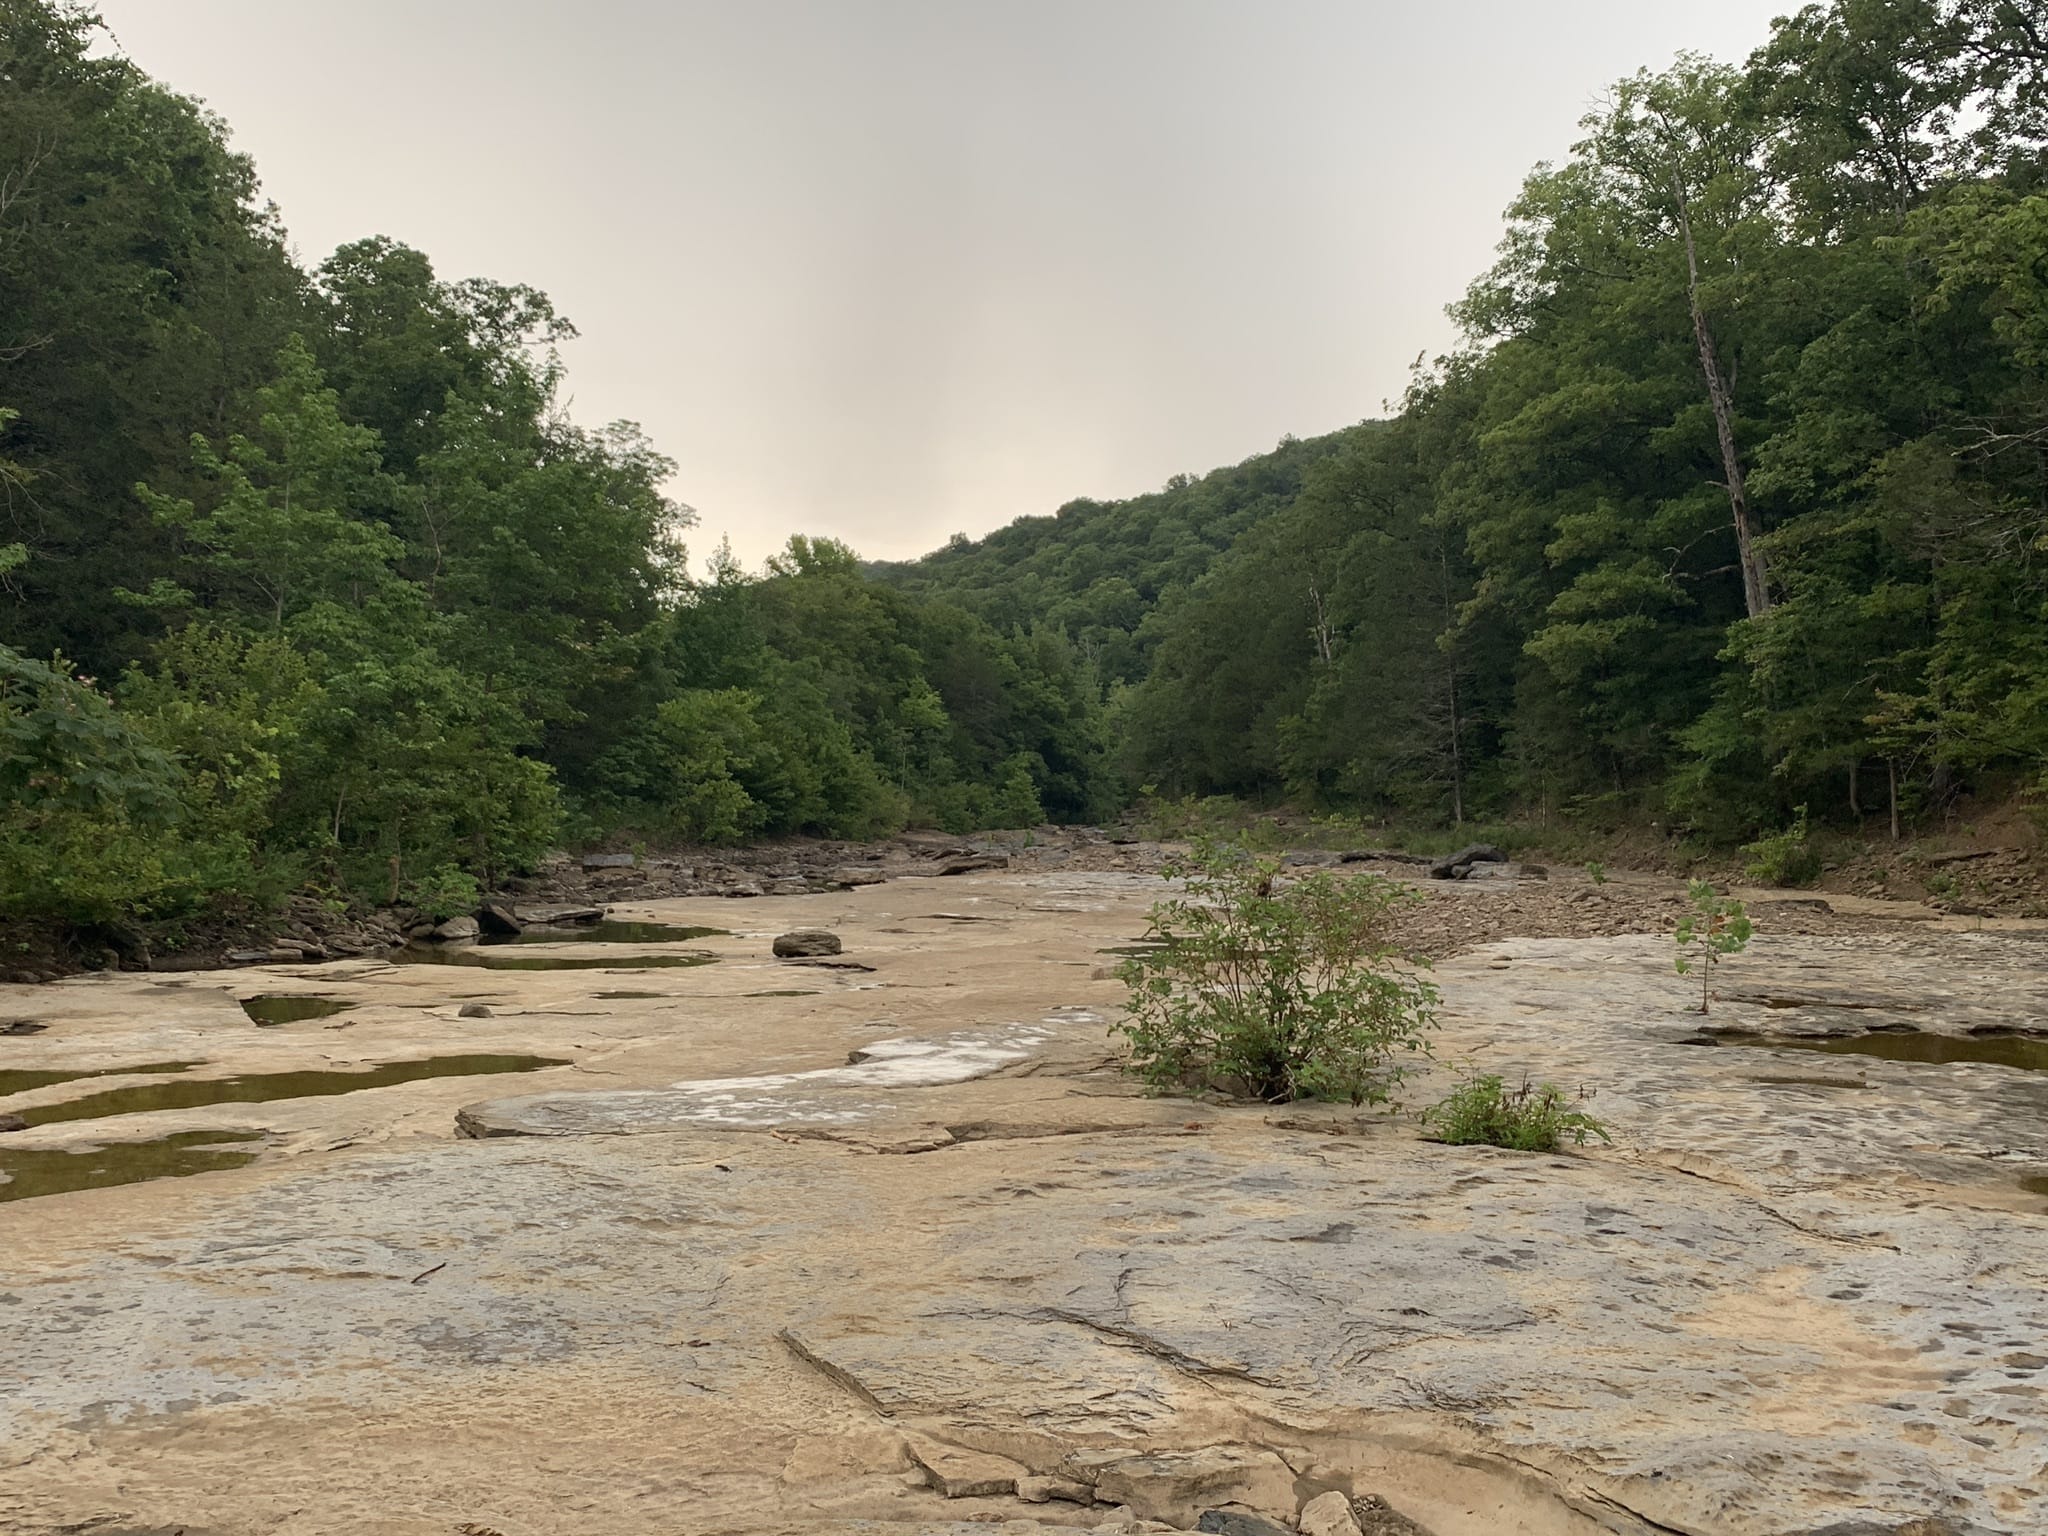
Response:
column 806, row 943
column 454, row 930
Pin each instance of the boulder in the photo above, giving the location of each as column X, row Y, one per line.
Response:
column 851, row 875
column 454, row 930
column 473, row 1011
column 967, row 863
column 803, row 943
column 1459, row 864
column 495, row 917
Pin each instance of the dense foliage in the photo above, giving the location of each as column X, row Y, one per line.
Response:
column 336, row 593
column 1734, row 500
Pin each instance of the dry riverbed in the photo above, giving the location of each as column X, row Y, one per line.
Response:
column 889, row 1245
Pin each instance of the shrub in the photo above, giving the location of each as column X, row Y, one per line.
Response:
column 1784, row 858
column 1531, row 1118
column 1279, row 991
column 1716, row 926
column 1596, row 872
column 447, row 892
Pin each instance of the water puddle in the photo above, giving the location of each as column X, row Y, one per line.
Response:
column 263, row 1087
column 279, row 1009
column 798, row 993
column 2035, row 1186
column 609, row 931
column 618, row 996
column 26, row 1174
column 2026, row 1052
column 451, row 954
column 19, row 1081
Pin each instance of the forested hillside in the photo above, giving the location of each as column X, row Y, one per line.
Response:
column 309, row 579
column 1733, row 500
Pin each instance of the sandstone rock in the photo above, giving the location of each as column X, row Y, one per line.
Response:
column 967, row 863
column 496, row 917
column 455, row 929
column 473, row 1011
column 789, row 885
column 1328, row 1514
column 1176, row 1486
column 851, row 875
column 1042, row 1490
column 550, row 917
column 959, row 1473
column 805, row 942
column 248, row 957
column 742, row 888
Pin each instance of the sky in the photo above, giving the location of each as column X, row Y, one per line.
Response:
column 888, row 270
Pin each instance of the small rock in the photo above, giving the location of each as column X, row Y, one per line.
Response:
column 806, row 942
column 1238, row 1522
column 1041, row 1490
column 1376, row 1517
column 496, row 917
column 12, row 1123
column 473, row 1011
column 455, row 930
column 1329, row 1514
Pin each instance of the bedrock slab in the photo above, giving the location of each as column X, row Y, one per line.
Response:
column 1777, row 1305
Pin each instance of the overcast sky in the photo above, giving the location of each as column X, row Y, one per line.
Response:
column 892, row 269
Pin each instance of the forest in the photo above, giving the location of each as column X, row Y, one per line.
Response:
column 1730, row 506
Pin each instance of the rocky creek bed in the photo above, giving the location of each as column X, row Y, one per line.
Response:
column 790, row 1246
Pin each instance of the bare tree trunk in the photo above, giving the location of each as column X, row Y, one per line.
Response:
column 1324, row 650
column 1756, row 586
column 1855, row 768
column 1891, row 773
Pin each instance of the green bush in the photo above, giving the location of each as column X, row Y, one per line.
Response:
column 1784, row 858
column 1275, row 989
column 445, row 893
column 1532, row 1118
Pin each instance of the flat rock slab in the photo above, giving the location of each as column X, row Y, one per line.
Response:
column 1775, row 1306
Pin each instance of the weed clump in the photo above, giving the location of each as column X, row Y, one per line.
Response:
column 1484, row 1111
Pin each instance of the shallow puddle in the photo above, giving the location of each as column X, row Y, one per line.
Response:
column 2023, row 1051
column 263, row 1087
column 610, row 931
column 782, row 994
column 454, row 954
column 29, row 1173
column 2035, row 1186
column 291, row 1010
column 14, row 1081
column 621, row 996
